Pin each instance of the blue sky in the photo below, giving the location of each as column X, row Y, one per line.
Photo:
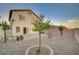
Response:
column 60, row 13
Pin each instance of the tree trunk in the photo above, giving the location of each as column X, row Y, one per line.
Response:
column 38, row 51
column 5, row 36
column 61, row 33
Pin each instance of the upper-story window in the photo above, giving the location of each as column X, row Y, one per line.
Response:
column 21, row 17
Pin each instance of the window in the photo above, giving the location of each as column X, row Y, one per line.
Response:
column 21, row 17
column 17, row 29
column 25, row 30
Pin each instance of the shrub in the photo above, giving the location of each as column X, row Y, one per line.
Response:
column 21, row 37
column 17, row 38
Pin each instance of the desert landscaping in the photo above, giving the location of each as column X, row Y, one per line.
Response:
column 61, row 45
column 39, row 29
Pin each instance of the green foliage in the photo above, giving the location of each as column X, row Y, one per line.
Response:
column 61, row 28
column 4, row 25
column 40, row 24
column 0, row 24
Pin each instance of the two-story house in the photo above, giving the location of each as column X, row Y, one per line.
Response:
column 21, row 21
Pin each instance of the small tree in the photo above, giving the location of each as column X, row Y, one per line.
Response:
column 4, row 26
column 39, row 26
column 61, row 28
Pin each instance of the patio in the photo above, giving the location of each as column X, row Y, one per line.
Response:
column 65, row 45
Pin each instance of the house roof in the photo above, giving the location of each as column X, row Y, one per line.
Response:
column 11, row 11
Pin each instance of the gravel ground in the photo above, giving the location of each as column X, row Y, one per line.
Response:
column 65, row 45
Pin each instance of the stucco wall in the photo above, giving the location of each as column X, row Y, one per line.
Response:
column 76, row 34
column 26, row 23
column 56, row 33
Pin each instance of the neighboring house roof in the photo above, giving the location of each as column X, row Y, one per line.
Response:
column 10, row 14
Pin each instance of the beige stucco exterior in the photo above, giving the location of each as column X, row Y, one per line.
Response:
column 22, row 23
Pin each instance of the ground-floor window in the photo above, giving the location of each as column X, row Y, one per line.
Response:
column 25, row 30
column 17, row 29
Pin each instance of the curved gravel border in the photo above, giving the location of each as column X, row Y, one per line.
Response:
column 51, row 50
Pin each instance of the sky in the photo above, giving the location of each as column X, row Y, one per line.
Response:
column 60, row 14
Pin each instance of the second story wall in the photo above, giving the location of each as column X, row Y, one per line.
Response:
column 28, row 18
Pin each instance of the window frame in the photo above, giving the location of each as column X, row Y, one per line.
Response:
column 21, row 17
column 17, row 29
